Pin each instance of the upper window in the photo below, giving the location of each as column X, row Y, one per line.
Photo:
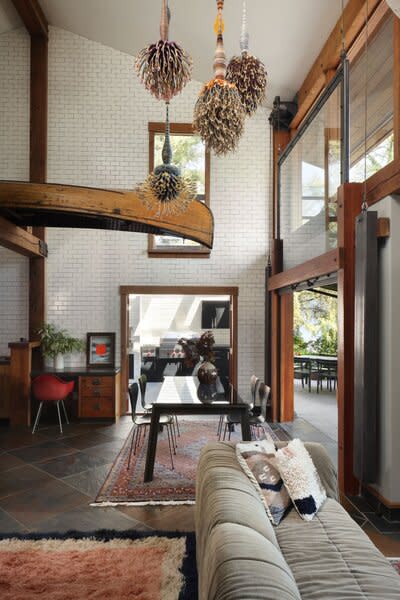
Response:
column 191, row 156
column 378, row 95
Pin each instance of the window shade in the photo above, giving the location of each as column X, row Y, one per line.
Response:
column 379, row 92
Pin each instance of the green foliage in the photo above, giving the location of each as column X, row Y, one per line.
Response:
column 57, row 341
column 315, row 323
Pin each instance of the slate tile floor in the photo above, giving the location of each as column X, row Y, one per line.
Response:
column 47, row 482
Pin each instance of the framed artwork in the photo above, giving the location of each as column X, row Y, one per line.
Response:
column 100, row 350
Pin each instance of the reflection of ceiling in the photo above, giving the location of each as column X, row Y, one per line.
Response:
column 287, row 35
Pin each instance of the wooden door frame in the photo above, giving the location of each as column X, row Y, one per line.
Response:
column 189, row 290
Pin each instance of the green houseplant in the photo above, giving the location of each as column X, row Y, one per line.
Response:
column 57, row 342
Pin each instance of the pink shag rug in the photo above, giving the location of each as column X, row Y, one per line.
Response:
column 149, row 568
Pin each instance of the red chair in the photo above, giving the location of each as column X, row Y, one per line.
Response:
column 49, row 388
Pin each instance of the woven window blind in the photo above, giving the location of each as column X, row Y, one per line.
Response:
column 379, row 92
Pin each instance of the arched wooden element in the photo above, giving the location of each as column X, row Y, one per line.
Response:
column 57, row 205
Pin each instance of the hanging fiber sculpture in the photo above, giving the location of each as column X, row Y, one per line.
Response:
column 165, row 190
column 219, row 114
column 164, row 67
column 247, row 72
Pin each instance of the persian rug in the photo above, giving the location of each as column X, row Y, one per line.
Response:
column 169, row 486
column 100, row 565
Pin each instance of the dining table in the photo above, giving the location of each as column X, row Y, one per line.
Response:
column 187, row 396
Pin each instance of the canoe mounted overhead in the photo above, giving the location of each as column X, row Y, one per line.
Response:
column 58, row 205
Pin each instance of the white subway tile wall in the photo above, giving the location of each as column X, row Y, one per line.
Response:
column 98, row 115
column 14, row 164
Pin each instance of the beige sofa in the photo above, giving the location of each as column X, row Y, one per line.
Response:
column 241, row 556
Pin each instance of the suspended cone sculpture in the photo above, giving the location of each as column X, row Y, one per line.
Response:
column 219, row 114
column 164, row 67
column 165, row 190
column 247, row 72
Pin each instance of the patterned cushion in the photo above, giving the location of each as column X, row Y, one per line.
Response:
column 301, row 478
column 256, row 460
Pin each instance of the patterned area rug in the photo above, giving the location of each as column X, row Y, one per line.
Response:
column 177, row 486
column 99, row 565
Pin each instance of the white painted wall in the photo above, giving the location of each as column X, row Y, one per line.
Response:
column 14, row 164
column 389, row 351
column 98, row 115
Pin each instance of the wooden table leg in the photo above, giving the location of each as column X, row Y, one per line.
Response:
column 152, row 445
column 246, row 433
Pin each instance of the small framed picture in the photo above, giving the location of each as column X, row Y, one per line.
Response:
column 100, row 350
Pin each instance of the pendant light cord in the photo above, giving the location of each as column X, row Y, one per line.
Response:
column 342, row 32
column 365, row 204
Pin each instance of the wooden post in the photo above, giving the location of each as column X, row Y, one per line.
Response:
column 20, row 382
column 349, row 206
column 286, row 358
column 38, row 174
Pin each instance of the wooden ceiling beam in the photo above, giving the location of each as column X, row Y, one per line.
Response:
column 21, row 241
column 32, row 17
column 329, row 57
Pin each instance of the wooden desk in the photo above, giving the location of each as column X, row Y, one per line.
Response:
column 98, row 390
column 178, row 396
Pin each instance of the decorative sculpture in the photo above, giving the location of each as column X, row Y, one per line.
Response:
column 164, row 67
column 247, row 72
column 219, row 114
column 165, row 190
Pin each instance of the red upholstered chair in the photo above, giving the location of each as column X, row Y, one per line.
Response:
column 49, row 388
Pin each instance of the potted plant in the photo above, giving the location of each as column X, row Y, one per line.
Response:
column 201, row 349
column 57, row 342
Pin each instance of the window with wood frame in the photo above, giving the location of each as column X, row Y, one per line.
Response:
column 193, row 158
column 377, row 91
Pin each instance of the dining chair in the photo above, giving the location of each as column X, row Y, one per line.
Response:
column 49, row 389
column 257, row 421
column 142, row 381
column 229, row 421
column 141, row 422
column 326, row 370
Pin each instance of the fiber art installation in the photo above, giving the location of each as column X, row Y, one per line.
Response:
column 164, row 67
column 165, row 190
column 219, row 114
column 247, row 72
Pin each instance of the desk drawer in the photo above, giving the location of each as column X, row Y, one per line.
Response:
column 102, row 387
column 96, row 407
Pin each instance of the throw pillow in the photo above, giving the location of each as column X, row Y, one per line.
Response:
column 301, row 479
column 255, row 459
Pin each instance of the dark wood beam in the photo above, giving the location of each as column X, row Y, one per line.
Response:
column 316, row 267
column 37, row 25
column 384, row 182
column 21, row 241
column 32, row 17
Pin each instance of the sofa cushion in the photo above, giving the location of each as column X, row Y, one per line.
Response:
column 325, row 468
column 241, row 564
column 301, row 478
column 333, row 559
column 224, row 494
column 257, row 461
